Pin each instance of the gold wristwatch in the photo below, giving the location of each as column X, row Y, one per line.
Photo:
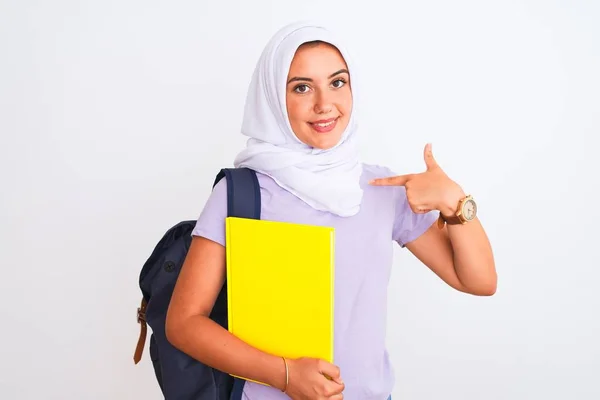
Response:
column 466, row 211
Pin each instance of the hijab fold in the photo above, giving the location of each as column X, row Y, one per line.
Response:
column 327, row 180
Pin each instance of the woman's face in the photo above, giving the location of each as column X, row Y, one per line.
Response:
column 318, row 95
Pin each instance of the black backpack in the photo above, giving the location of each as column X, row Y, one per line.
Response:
column 180, row 376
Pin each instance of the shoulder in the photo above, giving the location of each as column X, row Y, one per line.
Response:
column 211, row 221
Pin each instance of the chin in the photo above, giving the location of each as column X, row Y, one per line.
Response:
column 324, row 144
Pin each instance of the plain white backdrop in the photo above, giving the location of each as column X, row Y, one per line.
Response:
column 116, row 115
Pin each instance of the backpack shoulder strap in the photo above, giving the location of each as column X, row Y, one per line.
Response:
column 243, row 192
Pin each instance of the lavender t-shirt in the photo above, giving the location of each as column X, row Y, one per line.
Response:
column 363, row 262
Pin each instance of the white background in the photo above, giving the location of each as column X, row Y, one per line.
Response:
column 116, row 115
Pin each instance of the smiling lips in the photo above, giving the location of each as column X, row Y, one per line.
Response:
column 324, row 125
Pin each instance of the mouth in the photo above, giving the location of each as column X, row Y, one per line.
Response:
column 324, row 125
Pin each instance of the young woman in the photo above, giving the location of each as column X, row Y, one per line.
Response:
column 301, row 118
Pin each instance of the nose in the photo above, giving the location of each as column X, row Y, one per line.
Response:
column 323, row 104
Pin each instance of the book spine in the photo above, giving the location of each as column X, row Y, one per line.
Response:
column 332, row 288
column 228, row 272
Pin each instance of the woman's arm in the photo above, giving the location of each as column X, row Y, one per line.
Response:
column 460, row 255
column 189, row 328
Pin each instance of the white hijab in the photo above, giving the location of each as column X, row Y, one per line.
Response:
column 327, row 180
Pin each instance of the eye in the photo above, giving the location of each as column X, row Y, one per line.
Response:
column 338, row 83
column 301, row 88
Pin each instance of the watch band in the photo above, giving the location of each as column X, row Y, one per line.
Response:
column 453, row 220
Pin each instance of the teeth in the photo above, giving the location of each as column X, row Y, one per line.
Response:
column 326, row 124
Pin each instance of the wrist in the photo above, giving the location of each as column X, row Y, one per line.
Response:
column 277, row 377
column 452, row 198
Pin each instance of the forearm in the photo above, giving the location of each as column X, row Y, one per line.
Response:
column 473, row 257
column 208, row 342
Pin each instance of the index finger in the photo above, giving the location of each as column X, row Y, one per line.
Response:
column 399, row 180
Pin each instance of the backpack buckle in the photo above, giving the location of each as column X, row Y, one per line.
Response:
column 141, row 315
column 141, row 312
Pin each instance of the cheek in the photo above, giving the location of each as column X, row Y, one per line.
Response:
column 295, row 109
column 346, row 104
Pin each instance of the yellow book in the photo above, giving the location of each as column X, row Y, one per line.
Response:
column 280, row 286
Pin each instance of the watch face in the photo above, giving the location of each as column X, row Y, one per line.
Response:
column 469, row 210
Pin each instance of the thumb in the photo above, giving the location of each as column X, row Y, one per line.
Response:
column 399, row 180
column 331, row 372
column 429, row 160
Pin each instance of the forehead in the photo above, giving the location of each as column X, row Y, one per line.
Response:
column 314, row 60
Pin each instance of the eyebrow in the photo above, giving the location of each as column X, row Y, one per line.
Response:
column 298, row 78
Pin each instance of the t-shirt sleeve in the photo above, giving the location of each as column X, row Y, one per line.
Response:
column 409, row 225
column 211, row 222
